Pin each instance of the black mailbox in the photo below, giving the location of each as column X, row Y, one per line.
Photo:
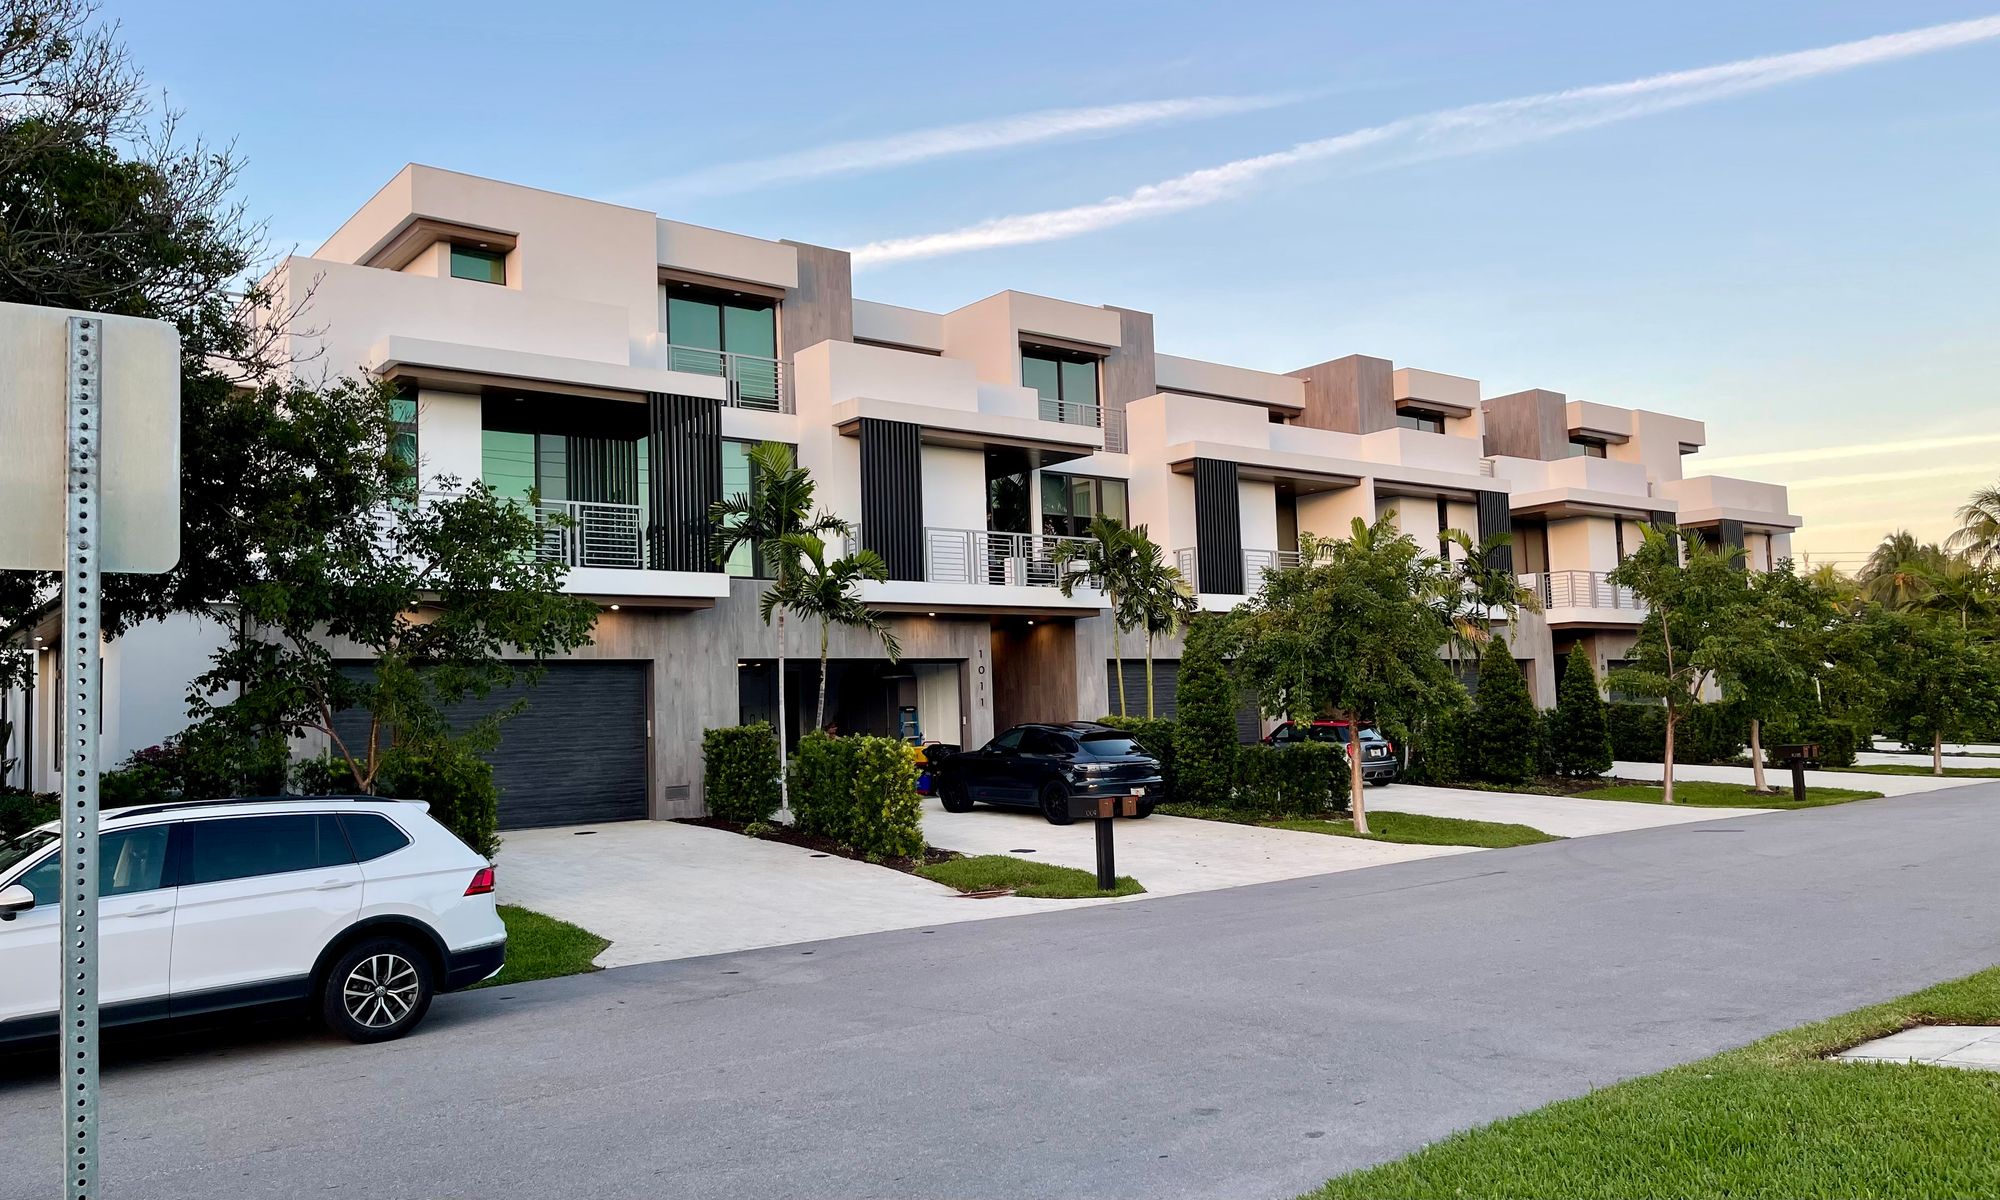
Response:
column 1798, row 757
column 1102, row 810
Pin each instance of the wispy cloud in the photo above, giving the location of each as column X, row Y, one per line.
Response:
column 945, row 141
column 1943, row 475
column 1872, row 449
column 1472, row 129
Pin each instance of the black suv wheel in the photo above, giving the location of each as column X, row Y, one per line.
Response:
column 1055, row 802
column 954, row 797
column 377, row 991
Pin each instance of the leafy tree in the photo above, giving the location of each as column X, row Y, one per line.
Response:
column 1112, row 558
column 1506, row 730
column 437, row 593
column 1939, row 682
column 1769, row 658
column 1161, row 600
column 1978, row 533
column 1481, row 583
column 831, row 594
column 769, row 518
column 1349, row 634
column 1205, row 729
column 1579, row 740
column 1691, row 608
column 1898, row 572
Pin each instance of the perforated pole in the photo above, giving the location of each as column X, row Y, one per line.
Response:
column 77, row 735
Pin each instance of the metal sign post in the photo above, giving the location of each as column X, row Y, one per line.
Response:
column 90, row 482
column 78, row 958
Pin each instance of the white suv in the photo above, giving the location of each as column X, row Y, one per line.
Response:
column 358, row 908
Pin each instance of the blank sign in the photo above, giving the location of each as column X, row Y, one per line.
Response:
column 140, row 432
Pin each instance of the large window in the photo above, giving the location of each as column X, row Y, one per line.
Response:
column 478, row 265
column 1417, row 418
column 1070, row 502
column 128, row 860
column 740, row 479
column 717, row 333
column 241, row 847
column 1066, row 381
column 1581, row 447
column 1007, row 472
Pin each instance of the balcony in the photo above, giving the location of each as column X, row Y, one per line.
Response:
column 750, row 381
column 579, row 533
column 991, row 557
column 1110, row 420
column 1255, row 563
column 1590, row 590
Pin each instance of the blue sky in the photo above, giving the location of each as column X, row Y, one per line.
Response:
column 1806, row 262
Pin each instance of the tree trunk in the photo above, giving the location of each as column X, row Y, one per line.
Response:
column 1937, row 753
column 1757, row 755
column 820, row 719
column 1149, row 674
column 1357, row 783
column 1118, row 657
column 1667, row 767
column 784, row 785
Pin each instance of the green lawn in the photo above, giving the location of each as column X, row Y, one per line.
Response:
column 1769, row 1120
column 1907, row 769
column 1037, row 881
column 1703, row 794
column 541, row 947
column 1384, row 825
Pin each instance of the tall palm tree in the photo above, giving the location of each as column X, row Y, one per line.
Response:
column 1898, row 572
column 1978, row 536
column 778, row 505
column 1110, row 558
column 1161, row 600
column 831, row 593
column 1962, row 585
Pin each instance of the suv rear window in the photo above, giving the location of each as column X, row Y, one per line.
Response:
column 240, row 847
column 1108, row 745
column 372, row 835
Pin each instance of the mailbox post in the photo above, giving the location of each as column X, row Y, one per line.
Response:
column 1102, row 811
column 1798, row 758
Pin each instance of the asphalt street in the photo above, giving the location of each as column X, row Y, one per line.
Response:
column 1241, row 1043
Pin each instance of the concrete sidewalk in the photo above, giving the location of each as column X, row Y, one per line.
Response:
column 1564, row 816
column 1888, row 785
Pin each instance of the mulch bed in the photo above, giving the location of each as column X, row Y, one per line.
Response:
column 790, row 836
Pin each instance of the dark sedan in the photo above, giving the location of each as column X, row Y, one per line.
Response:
column 1378, row 754
column 1042, row 766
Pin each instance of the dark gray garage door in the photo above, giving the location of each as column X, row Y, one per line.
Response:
column 1166, row 694
column 575, row 755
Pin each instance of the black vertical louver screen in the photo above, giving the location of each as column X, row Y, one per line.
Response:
column 1496, row 517
column 892, row 495
column 1218, row 527
column 685, row 479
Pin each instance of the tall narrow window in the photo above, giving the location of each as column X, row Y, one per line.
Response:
column 403, row 435
column 478, row 265
column 1071, row 502
column 1066, row 380
column 715, row 333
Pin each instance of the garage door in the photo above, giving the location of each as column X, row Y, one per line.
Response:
column 1166, row 694
column 574, row 755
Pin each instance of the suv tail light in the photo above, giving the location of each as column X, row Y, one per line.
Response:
column 482, row 883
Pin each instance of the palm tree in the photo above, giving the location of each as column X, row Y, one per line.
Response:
column 1962, row 585
column 1978, row 536
column 1898, row 572
column 778, row 506
column 830, row 592
column 1110, row 558
column 1161, row 600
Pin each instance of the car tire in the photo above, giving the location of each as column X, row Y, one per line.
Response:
column 1054, row 803
column 954, row 797
column 378, row 990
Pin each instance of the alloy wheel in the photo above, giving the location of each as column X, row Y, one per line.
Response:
column 380, row 991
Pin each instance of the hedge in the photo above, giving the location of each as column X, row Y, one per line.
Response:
column 22, row 811
column 1578, row 745
column 1838, row 739
column 739, row 772
column 860, row 792
column 1156, row 736
column 1505, row 736
column 1205, row 697
column 1303, row 780
column 1708, row 733
column 454, row 781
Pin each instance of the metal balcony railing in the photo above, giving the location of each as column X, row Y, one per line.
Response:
column 753, row 381
column 1581, row 589
column 1187, row 560
column 990, row 556
column 595, row 535
column 1110, row 420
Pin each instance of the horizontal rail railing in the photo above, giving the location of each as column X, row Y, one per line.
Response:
column 752, row 380
column 591, row 534
column 1581, row 589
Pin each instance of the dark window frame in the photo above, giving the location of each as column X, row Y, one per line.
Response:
column 1423, row 420
column 495, row 259
column 1062, row 400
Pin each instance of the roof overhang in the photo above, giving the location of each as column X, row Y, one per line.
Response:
column 1054, row 441
column 457, row 367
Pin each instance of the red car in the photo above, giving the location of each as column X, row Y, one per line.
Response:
column 1378, row 754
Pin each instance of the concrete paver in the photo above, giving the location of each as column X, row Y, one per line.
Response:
column 1976, row 1047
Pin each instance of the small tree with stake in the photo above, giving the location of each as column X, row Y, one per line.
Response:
column 1692, row 609
column 1580, row 741
column 1767, row 658
column 1348, row 635
column 1940, row 681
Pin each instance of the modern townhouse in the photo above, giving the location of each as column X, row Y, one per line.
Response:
column 619, row 366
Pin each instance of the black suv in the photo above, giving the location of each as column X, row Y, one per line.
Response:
column 1042, row 766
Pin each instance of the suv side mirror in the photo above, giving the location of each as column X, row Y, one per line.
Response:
column 15, row 899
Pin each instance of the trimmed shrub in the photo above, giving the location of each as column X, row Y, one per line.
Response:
column 888, row 813
column 1506, row 730
column 822, row 778
column 1579, row 744
column 203, row 763
column 1304, row 780
column 1708, row 734
column 1157, row 737
column 739, row 772
column 454, row 781
column 1205, row 745
column 1435, row 748
column 1838, row 739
